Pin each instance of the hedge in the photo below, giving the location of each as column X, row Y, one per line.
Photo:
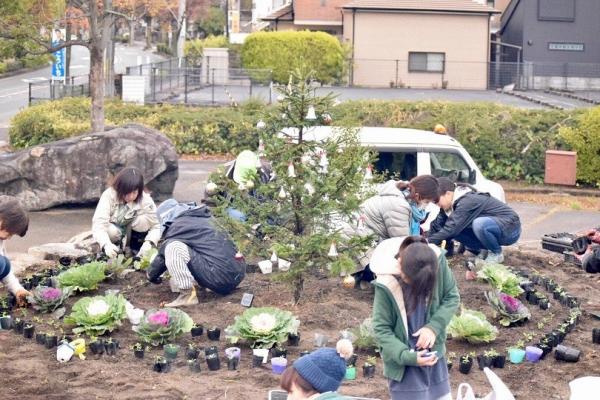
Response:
column 193, row 49
column 506, row 142
column 284, row 52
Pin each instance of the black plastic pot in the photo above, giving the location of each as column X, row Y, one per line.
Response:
column 546, row 349
column 499, row 361
column 596, row 335
column 111, row 348
column 6, row 322
column 213, row 362
column 556, row 294
column 257, row 361
column 351, row 362
column 40, row 338
column 194, row 366
column 293, row 340
column 97, row 347
column 465, row 367
column 85, row 260
column 527, row 286
column 139, row 353
column 27, row 285
column 532, row 298
column 279, row 352
column 568, row 354
column 560, row 336
column 28, row 331
column 160, row 365
column 232, row 363
column 18, row 325
column 211, row 350
column 51, row 341
column 214, row 334
column 572, row 301
column 484, row 361
column 35, row 280
column 197, row 331
column 64, row 261
column 551, row 285
column 449, row 365
column 536, row 279
column 552, row 339
column 192, row 353
column 544, row 304
column 368, row 370
column 11, row 299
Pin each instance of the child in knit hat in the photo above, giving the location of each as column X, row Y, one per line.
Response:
column 318, row 375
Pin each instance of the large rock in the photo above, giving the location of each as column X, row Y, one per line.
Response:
column 76, row 170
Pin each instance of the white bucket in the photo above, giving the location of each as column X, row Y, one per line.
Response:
column 266, row 266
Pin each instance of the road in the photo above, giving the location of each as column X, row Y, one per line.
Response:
column 14, row 90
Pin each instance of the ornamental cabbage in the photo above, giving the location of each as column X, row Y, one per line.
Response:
column 263, row 327
column 473, row 327
column 98, row 314
column 501, row 279
column 48, row 299
column 163, row 325
column 508, row 309
column 84, row 277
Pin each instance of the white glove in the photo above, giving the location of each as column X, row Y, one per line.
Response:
column 146, row 247
column 111, row 250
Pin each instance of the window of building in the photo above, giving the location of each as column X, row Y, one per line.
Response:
column 491, row 3
column 426, row 62
column 556, row 10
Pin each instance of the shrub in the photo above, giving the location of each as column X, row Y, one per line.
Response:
column 584, row 138
column 194, row 49
column 283, row 52
column 163, row 48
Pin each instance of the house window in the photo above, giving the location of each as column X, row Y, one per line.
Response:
column 491, row 3
column 426, row 62
column 556, row 10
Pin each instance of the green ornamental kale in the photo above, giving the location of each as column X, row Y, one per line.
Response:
column 84, row 277
column 501, row 279
column 98, row 314
column 263, row 327
column 473, row 327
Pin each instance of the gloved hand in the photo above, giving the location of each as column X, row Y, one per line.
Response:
column 111, row 250
column 146, row 247
column 21, row 296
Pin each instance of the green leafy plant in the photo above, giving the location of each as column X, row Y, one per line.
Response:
column 371, row 360
column 365, row 336
column 115, row 266
column 97, row 315
column 473, row 327
column 47, row 299
column 507, row 309
column 501, row 279
column 144, row 263
column 263, row 327
column 490, row 353
column 160, row 326
column 84, row 277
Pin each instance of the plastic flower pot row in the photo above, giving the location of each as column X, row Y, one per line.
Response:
column 213, row 333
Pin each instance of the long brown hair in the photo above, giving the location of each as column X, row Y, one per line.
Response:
column 13, row 218
column 422, row 187
column 419, row 265
column 129, row 179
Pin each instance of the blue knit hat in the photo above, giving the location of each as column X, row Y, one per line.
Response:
column 325, row 368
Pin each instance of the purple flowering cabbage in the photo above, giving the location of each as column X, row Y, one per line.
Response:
column 507, row 309
column 48, row 299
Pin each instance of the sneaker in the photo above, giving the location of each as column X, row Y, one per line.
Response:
column 494, row 258
column 187, row 297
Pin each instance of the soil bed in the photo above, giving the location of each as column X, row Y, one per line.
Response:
column 30, row 371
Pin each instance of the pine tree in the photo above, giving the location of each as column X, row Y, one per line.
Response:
column 315, row 191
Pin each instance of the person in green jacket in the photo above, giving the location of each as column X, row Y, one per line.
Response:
column 317, row 376
column 415, row 299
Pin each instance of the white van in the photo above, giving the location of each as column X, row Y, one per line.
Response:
column 406, row 153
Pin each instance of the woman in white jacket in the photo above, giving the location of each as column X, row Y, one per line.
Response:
column 126, row 211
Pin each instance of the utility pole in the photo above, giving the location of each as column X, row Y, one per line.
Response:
column 108, row 38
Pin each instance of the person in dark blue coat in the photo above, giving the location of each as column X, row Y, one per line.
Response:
column 477, row 220
column 195, row 251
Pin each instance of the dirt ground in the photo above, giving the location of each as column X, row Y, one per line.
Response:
column 31, row 372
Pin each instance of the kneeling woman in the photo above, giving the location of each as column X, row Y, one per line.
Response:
column 125, row 210
column 194, row 250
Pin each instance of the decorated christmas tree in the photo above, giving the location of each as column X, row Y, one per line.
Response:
column 304, row 215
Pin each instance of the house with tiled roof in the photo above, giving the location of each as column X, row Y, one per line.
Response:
column 314, row 15
column 418, row 43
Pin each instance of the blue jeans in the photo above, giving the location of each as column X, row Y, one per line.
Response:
column 4, row 267
column 485, row 233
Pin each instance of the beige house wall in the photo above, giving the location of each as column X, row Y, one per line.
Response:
column 382, row 42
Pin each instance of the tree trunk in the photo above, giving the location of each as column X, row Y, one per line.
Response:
column 148, row 33
column 298, row 288
column 97, row 86
column 131, row 30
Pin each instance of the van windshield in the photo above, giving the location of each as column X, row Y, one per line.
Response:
column 397, row 165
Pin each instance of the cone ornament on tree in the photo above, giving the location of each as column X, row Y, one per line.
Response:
column 361, row 222
column 332, row 250
column 311, row 115
column 282, row 195
column 369, row 173
column 291, row 170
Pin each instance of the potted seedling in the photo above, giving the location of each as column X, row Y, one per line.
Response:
column 551, row 285
column 197, row 330
column 350, row 373
column 233, row 357
column 466, row 362
column 279, row 351
column 28, row 330
column 213, row 362
column 160, row 364
column 6, row 321
column 557, row 293
column 516, row 354
column 350, row 361
column 533, row 354
column 171, row 351
column 293, row 339
column 568, row 354
column 194, row 365
column 110, row 346
column 192, row 352
column 596, row 335
column 18, row 324
column 139, row 350
column 278, row 365
column 543, row 302
column 51, row 340
column 498, row 360
column 572, row 301
column 486, row 359
column 450, row 360
column 40, row 338
column 97, row 346
column 257, row 360
column 214, row 334
column 545, row 347
column 369, row 367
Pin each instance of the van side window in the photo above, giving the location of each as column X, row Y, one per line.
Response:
column 450, row 165
column 397, row 165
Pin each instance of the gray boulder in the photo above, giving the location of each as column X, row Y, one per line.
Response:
column 78, row 169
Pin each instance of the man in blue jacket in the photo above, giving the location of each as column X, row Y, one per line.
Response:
column 477, row 220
